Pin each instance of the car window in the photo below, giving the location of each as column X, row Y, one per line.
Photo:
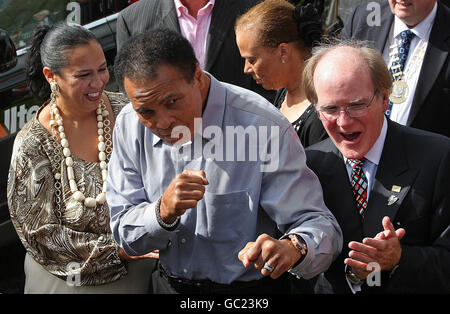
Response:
column 20, row 17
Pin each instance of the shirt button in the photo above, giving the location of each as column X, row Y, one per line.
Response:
column 183, row 240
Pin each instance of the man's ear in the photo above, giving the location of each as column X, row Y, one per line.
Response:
column 385, row 95
column 198, row 72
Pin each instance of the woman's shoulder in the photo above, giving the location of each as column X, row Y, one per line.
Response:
column 32, row 132
column 31, row 143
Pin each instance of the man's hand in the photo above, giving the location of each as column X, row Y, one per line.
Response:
column 384, row 249
column 280, row 254
column 182, row 193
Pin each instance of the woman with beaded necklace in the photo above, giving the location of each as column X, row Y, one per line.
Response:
column 57, row 178
column 275, row 38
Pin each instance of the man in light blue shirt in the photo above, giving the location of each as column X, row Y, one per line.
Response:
column 212, row 176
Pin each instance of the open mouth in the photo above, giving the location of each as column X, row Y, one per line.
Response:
column 351, row 136
column 93, row 96
column 403, row 3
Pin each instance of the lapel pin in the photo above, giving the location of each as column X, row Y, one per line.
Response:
column 392, row 199
column 396, row 188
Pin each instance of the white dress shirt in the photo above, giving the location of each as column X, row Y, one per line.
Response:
column 400, row 112
column 370, row 167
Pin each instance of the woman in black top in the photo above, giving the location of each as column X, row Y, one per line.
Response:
column 275, row 39
column 308, row 126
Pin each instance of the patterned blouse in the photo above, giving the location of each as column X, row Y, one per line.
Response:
column 61, row 234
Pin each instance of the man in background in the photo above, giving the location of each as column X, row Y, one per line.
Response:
column 414, row 38
column 207, row 24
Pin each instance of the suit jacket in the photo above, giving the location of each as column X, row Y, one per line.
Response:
column 418, row 162
column 223, row 59
column 430, row 108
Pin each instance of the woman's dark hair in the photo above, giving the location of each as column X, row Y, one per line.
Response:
column 309, row 24
column 140, row 57
column 49, row 48
column 278, row 21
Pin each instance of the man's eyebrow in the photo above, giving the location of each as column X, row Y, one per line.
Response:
column 356, row 100
column 148, row 95
column 163, row 100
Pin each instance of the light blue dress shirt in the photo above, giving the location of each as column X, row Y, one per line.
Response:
column 241, row 201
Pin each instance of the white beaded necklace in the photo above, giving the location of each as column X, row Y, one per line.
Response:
column 56, row 123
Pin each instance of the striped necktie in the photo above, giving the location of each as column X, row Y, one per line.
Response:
column 359, row 184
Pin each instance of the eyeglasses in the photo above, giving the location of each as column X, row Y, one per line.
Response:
column 332, row 112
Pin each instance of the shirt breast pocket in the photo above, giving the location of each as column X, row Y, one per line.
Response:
column 227, row 215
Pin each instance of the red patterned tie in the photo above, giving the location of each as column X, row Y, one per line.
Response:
column 359, row 184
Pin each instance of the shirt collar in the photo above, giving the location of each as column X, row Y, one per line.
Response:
column 421, row 30
column 181, row 8
column 215, row 106
column 374, row 154
column 214, row 110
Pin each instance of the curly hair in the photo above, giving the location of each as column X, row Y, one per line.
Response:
column 142, row 54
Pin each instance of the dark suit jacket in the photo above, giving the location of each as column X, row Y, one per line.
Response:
column 418, row 162
column 431, row 104
column 223, row 59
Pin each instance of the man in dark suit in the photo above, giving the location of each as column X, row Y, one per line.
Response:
column 395, row 211
column 426, row 102
column 222, row 57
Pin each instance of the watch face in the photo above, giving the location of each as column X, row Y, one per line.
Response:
column 353, row 279
column 351, row 276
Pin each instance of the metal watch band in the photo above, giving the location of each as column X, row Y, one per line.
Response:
column 299, row 243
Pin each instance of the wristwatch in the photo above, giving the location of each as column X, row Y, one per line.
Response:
column 299, row 244
column 351, row 276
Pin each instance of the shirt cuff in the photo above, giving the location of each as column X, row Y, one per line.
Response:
column 353, row 287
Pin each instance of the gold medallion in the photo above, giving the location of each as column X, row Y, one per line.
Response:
column 399, row 92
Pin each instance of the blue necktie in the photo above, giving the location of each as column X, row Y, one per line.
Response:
column 399, row 64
